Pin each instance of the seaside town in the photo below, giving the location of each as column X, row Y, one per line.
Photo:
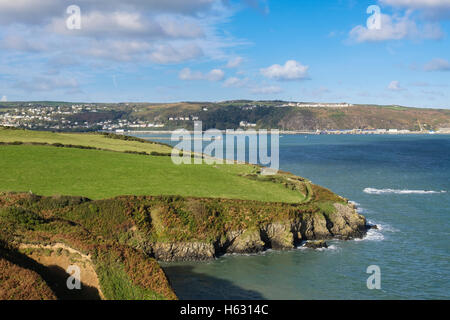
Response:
column 90, row 117
column 59, row 118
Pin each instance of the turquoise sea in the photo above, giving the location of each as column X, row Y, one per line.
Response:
column 401, row 183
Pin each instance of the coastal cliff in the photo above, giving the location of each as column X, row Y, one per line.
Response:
column 123, row 236
column 175, row 228
column 344, row 223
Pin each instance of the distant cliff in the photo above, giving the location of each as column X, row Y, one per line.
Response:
column 228, row 115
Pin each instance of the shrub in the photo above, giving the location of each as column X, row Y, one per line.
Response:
column 22, row 217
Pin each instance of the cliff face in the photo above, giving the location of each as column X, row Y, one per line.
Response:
column 344, row 223
column 175, row 228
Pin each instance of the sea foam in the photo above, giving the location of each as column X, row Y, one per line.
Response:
column 372, row 235
column 331, row 247
column 377, row 234
column 400, row 191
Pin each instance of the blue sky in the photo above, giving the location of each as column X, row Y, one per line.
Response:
column 213, row 50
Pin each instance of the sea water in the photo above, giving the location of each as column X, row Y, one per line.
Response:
column 400, row 183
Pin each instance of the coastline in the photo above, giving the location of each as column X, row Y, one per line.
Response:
column 300, row 132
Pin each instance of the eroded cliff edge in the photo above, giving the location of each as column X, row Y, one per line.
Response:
column 284, row 234
column 175, row 228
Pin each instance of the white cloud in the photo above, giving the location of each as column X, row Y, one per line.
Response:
column 131, row 24
column 435, row 9
column 28, row 11
column 180, row 27
column 118, row 50
column 291, row 70
column 152, row 31
column 214, row 75
column 437, row 65
column 38, row 12
column 4, row 99
column 266, row 90
column 168, row 53
column 235, row 82
column 395, row 86
column 190, row 7
column 395, row 28
column 418, row 3
column 188, row 74
column 235, row 62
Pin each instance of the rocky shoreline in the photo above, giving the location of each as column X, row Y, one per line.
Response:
column 345, row 223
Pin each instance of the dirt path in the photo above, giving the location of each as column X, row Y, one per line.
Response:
column 56, row 259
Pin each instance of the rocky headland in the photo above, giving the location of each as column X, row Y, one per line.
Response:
column 345, row 223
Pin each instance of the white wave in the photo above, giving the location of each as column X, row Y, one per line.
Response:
column 372, row 235
column 359, row 209
column 331, row 247
column 400, row 191
column 382, row 226
column 362, row 210
column 377, row 234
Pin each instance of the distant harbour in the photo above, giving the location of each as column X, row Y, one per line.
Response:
column 323, row 132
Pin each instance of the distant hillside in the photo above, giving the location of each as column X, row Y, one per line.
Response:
column 64, row 116
column 228, row 115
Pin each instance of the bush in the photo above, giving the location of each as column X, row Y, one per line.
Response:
column 57, row 144
column 22, row 217
column 130, row 138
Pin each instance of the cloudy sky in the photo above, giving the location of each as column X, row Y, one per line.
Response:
column 197, row 50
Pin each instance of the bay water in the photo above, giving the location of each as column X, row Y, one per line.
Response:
column 400, row 183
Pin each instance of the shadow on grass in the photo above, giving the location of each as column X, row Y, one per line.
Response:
column 55, row 277
column 190, row 285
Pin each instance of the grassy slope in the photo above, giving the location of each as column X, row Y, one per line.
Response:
column 98, row 174
column 91, row 140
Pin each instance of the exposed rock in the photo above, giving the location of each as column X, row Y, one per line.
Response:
column 352, row 205
column 314, row 226
column 277, row 236
column 344, row 223
column 248, row 241
column 183, row 251
column 316, row 244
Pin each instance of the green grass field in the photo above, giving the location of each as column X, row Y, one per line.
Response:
column 84, row 139
column 47, row 170
column 100, row 174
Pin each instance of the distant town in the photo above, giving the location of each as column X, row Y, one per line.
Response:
column 59, row 118
column 122, row 118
